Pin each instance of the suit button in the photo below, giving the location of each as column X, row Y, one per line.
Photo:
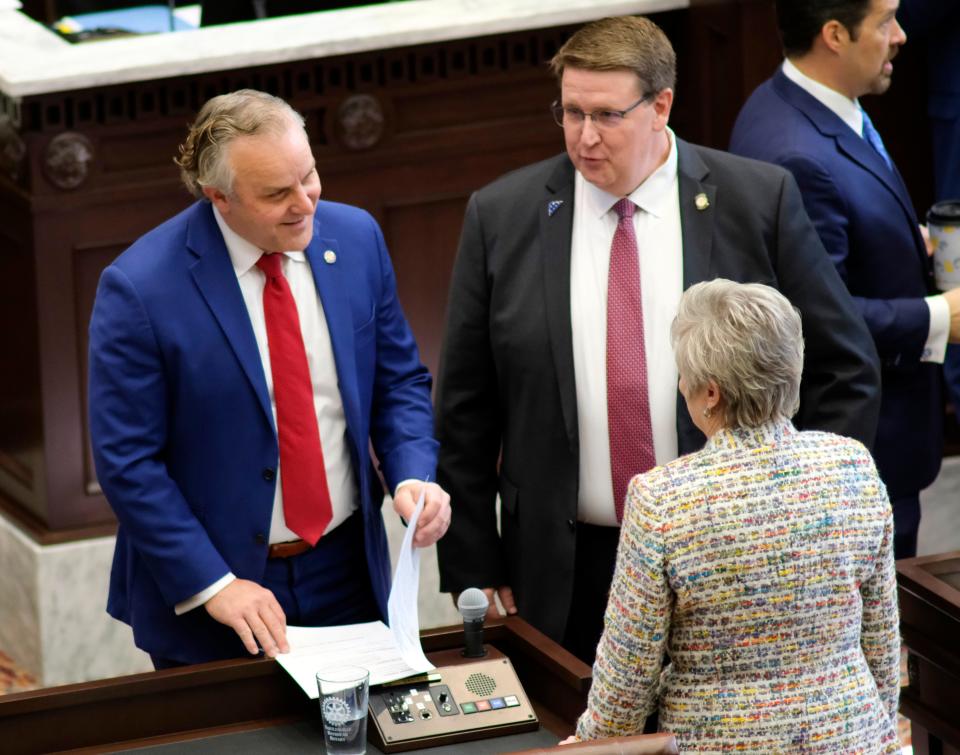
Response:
column 572, row 525
column 269, row 474
column 260, row 538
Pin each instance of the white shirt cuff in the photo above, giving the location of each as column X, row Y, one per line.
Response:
column 935, row 348
column 204, row 595
column 404, row 482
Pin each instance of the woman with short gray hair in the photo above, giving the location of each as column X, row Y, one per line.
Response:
column 762, row 565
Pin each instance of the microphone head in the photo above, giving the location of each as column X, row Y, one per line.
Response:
column 472, row 604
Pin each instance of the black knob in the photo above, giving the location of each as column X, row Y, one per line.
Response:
column 442, row 697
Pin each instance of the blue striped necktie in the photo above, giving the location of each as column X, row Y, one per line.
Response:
column 874, row 140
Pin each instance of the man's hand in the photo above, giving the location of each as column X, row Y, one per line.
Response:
column 571, row 740
column 435, row 517
column 953, row 300
column 506, row 600
column 254, row 614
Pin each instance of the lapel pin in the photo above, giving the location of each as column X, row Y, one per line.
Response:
column 553, row 206
column 329, row 256
column 701, row 201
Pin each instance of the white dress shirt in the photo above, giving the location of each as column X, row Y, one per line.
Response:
column 849, row 112
column 323, row 375
column 660, row 248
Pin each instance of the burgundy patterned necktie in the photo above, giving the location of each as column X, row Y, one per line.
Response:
column 628, row 403
column 303, row 477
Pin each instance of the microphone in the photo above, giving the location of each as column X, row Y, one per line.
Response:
column 472, row 605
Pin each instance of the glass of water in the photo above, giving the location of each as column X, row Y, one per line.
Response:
column 344, row 694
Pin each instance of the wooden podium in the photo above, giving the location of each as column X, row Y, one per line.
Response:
column 254, row 706
column 929, row 594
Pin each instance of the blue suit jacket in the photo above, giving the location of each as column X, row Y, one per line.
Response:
column 867, row 223
column 183, row 434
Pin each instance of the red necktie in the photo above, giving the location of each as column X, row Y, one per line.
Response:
column 306, row 498
column 628, row 403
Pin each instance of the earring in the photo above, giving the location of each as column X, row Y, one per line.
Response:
column 707, row 412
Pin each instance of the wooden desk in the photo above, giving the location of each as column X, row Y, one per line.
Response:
column 254, row 706
column 929, row 595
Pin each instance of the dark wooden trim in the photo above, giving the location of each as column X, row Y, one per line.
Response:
column 918, row 575
column 930, row 626
column 215, row 698
column 37, row 530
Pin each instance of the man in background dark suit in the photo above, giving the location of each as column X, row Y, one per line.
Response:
column 936, row 25
column 807, row 118
column 554, row 387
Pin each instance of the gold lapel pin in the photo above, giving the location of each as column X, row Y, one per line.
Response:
column 701, row 201
column 329, row 256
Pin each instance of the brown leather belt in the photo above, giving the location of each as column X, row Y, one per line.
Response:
column 288, row 549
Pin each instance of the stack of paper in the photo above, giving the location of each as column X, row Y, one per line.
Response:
column 387, row 654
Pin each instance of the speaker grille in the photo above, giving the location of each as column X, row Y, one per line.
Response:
column 481, row 684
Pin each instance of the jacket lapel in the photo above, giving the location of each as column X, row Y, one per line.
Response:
column 215, row 277
column 849, row 143
column 555, row 212
column 332, row 287
column 697, row 200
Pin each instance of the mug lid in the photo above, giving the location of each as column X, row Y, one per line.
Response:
column 945, row 213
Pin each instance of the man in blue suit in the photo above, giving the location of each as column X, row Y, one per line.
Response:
column 244, row 355
column 807, row 118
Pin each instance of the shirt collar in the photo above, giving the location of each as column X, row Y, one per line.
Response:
column 842, row 106
column 770, row 433
column 652, row 196
column 243, row 254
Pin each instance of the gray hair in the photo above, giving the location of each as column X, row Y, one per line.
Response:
column 222, row 119
column 748, row 339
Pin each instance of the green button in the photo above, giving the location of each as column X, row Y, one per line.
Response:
column 468, row 707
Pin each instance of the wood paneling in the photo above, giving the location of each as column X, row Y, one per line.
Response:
column 454, row 116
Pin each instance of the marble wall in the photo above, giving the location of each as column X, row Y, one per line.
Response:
column 52, row 618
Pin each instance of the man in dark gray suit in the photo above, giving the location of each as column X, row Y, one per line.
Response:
column 556, row 387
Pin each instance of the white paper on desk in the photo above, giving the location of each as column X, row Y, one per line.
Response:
column 369, row 645
column 402, row 604
column 9, row 4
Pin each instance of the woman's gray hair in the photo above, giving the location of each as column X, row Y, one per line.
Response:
column 748, row 339
column 222, row 119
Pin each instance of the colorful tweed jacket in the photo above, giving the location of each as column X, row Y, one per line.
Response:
column 763, row 565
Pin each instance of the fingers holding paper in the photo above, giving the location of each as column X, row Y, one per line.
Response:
column 435, row 517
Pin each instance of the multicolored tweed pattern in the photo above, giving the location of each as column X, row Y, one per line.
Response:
column 763, row 565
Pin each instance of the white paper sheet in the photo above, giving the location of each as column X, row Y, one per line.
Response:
column 402, row 604
column 370, row 645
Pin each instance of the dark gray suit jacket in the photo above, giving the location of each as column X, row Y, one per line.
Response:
column 506, row 399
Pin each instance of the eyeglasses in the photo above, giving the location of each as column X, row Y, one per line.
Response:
column 574, row 116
